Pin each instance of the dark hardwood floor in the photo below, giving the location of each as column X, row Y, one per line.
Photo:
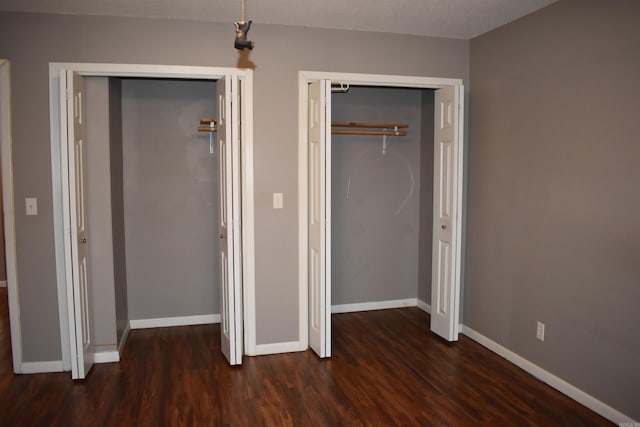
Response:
column 387, row 369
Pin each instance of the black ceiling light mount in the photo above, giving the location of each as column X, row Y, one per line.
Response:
column 242, row 28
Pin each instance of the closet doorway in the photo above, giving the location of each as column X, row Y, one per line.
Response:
column 318, row 202
column 232, row 143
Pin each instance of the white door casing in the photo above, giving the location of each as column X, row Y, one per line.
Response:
column 319, row 220
column 445, row 271
column 62, row 204
column 6, row 169
column 450, row 315
column 79, row 291
column 229, row 219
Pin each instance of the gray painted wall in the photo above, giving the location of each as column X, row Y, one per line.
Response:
column 31, row 41
column 170, row 198
column 375, row 198
column 553, row 149
column 283, row 52
column 425, row 243
column 553, row 230
column 99, row 221
column 117, row 207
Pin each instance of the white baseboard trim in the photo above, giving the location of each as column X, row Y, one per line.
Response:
column 374, row 305
column 163, row 322
column 125, row 335
column 106, row 356
column 424, row 306
column 3, row 283
column 279, row 347
column 547, row 377
column 41, row 367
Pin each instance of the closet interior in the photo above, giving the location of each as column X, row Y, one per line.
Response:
column 152, row 208
column 381, row 196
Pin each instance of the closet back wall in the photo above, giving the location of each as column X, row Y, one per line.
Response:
column 170, row 198
column 376, row 198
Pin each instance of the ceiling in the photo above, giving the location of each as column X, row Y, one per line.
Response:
column 460, row 19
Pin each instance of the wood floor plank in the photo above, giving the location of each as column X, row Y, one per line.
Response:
column 387, row 369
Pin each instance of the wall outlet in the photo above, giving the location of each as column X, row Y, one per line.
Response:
column 540, row 331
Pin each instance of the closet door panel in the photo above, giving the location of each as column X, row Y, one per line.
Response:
column 319, row 140
column 446, row 206
column 229, row 214
column 78, row 295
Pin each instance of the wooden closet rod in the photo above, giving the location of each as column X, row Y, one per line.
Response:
column 210, row 125
column 368, row 132
column 369, row 125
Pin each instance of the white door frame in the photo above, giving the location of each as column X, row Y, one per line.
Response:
column 58, row 167
column 355, row 79
column 9, row 214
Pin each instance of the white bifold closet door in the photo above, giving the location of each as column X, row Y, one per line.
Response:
column 228, row 136
column 445, row 273
column 445, row 286
column 74, row 195
column 319, row 221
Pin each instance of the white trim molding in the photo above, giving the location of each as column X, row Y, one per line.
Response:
column 248, row 218
column 165, row 322
column 6, row 157
column 106, row 356
column 279, row 347
column 42, row 367
column 125, row 335
column 58, row 166
column 424, row 306
column 374, row 305
column 354, row 79
column 547, row 377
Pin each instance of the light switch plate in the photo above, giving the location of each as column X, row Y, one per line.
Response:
column 278, row 201
column 31, row 205
column 540, row 331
